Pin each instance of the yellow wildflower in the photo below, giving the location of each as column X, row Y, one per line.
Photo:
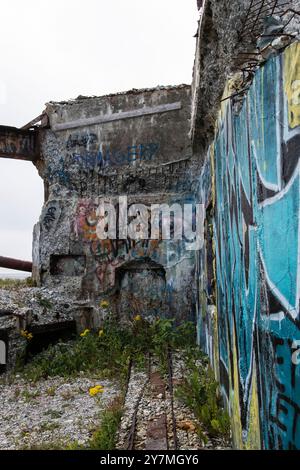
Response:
column 101, row 332
column 84, row 333
column 104, row 304
column 99, row 387
column 26, row 335
column 95, row 390
column 137, row 318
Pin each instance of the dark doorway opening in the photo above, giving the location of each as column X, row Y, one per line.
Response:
column 46, row 335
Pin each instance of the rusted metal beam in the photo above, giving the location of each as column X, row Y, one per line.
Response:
column 18, row 144
column 16, row 264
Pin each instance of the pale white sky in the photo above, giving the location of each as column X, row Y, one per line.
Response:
column 59, row 49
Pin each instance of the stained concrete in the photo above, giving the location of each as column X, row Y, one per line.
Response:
column 147, row 158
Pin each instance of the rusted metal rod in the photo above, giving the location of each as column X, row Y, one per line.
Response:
column 16, row 264
column 18, row 144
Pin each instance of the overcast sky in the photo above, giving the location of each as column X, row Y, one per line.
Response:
column 59, row 49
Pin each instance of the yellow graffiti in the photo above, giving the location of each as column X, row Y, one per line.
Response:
column 292, row 83
column 235, row 401
column 233, row 85
column 216, row 359
column 225, row 101
column 253, row 438
column 253, row 435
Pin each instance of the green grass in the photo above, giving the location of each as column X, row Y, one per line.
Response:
column 45, row 303
column 109, row 355
column 15, row 283
column 105, row 437
column 200, row 392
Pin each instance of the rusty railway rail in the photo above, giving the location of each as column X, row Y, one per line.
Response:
column 171, row 389
column 131, row 439
column 132, row 432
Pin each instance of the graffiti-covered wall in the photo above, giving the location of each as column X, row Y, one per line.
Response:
column 251, row 328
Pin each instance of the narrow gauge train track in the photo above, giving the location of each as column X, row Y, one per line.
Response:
column 152, row 422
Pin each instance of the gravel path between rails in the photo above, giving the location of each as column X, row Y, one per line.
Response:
column 54, row 412
column 150, row 406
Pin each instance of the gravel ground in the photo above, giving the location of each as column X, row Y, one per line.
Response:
column 51, row 413
column 153, row 406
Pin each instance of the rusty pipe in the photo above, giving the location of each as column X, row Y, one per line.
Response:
column 16, row 264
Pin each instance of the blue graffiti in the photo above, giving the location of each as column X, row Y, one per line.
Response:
column 105, row 158
column 257, row 253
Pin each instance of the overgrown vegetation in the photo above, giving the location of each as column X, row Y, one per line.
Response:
column 200, row 392
column 14, row 284
column 105, row 437
column 108, row 352
column 45, row 303
column 167, row 336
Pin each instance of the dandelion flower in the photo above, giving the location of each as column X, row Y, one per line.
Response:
column 26, row 335
column 137, row 318
column 93, row 391
column 101, row 332
column 104, row 304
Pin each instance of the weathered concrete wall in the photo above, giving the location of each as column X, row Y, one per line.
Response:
column 217, row 43
column 250, row 326
column 227, row 31
column 146, row 157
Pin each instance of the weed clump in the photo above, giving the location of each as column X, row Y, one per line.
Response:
column 14, row 284
column 109, row 351
column 200, row 392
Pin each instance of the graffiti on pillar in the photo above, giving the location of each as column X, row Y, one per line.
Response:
column 141, row 261
column 110, row 158
column 257, row 253
column 50, row 217
column 85, row 159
